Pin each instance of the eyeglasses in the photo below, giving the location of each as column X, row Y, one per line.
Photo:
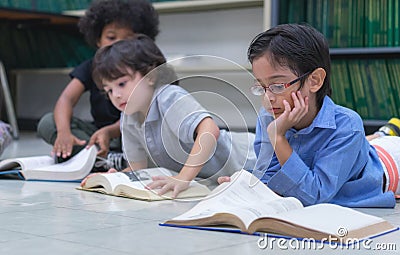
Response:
column 276, row 88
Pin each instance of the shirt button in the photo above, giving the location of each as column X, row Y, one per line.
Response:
column 149, row 140
column 295, row 136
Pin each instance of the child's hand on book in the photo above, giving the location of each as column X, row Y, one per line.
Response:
column 64, row 143
column 223, row 179
column 102, row 138
column 167, row 183
column 83, row 182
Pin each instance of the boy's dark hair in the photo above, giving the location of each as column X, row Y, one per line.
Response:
column 138, row 15
column 139, row 54
column 299, row 47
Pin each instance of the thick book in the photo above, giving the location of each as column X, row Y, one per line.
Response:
column 45, row 168
column 251, row 207
column 133, row 185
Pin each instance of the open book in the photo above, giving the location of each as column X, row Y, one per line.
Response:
column 45, row 168
column 132, row 185
column 249, row 205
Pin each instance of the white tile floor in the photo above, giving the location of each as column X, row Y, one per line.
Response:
column 55, row 218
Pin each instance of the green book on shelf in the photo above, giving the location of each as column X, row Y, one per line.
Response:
column 393, row 66
column 335, row 83
column 382, row 23
column 370, row 101
column 342, row 92
column 390, row 24
column 370, row 29
column 375, row 91
column 360, row 24
column 346, row 85
column 357, row 84
column 396, row 23
column 388, row 102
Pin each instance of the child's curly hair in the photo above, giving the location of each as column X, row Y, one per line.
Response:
column 138, row 15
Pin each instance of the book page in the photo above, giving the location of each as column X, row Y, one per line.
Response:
column 75, row 168
column 107, row 180
column 26, row 163
column 134, row 179
column 132, row 184
column 243, row 197
column 136, row 189
column 70, row 165
column 320, row 217
column 143, row 183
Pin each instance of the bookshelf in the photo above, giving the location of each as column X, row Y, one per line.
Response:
column 47, row 6
column 214, row 20
column 196, row 30
column 270, row 7
column 191, row 6
column 367, row 52
column 19, row 15
column 364, row 36
column 196, row 27
column 37, row 39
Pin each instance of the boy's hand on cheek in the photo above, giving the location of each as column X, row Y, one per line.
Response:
column 300, row 108
column 290, row 117
column 167, row 183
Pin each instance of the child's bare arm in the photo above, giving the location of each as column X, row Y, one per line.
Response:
column 203, row 148
column 103, row 136
column 62, row 116
column 291, row 117
column 133, row 166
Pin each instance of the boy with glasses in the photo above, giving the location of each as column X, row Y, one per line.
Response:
column 307, row 146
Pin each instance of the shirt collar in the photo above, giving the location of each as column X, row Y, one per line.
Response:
column 154, row 113
column 325, row 117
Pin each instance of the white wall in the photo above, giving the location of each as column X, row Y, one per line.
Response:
column 222, row 33
column 38, row 90
column 225, row 34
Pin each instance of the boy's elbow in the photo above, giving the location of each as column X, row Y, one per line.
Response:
column 216, row 131
column 209, row 126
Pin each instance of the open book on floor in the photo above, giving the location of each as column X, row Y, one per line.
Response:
column 248, row 205
column 132, row 185
column 45, row 168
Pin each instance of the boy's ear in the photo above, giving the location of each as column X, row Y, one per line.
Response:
column 151, row 78
column 316, row 79
column 150, row 81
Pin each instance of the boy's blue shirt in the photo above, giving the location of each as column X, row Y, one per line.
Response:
column 332, row 162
